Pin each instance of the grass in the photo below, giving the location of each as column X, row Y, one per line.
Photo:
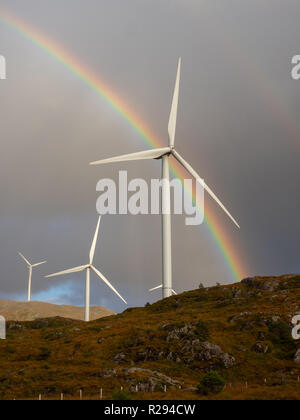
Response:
column 55, row 356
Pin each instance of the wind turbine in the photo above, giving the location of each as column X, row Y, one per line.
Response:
column 164, row 154
column 30, row 267
column 160, row 287
column 88, row 269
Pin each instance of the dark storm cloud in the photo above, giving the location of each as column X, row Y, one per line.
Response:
column 237, row 125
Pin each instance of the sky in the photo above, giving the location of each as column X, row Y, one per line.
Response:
column 237, row 125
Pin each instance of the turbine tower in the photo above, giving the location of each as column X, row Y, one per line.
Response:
column 88, row 269
column 164, row 155
column 30, row 267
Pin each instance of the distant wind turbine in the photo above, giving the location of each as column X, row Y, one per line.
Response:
column 88, row 269
column 30, row 267
column 160, row 287
column 164, row 154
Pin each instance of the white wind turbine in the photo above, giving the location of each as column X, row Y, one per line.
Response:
column 88, row 269
column 160, row 287
column 164, row 154
column 30, row 267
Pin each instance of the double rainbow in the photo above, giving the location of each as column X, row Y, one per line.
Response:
column 111, row 98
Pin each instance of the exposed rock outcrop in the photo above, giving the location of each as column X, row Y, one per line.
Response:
column 213, row 352
column 257, row 283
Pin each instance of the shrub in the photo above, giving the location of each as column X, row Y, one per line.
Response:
column 281, row 338
column 211, row 383
column 159, row 387
column 121, row 395
column 202, row 330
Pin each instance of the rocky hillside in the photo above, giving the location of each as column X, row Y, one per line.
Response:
column 163, row 351
column 24, row 311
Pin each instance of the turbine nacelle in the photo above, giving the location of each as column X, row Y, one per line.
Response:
column 159, row 154
column 30, row 267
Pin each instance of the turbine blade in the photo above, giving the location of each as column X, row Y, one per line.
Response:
column 41, row 263
column 72, row 270
column 94, row 243
column 149, row 154
column 174, row 293
column 102, row 277
column 174, row 109
column 155, row 288
column 22, row 256
column 188, row 167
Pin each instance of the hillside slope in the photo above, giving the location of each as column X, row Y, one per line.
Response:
column 243, row 331
column 29, row 311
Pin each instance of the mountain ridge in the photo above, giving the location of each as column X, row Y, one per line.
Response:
column 29, row 311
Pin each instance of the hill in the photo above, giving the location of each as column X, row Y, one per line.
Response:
column 243, row 331
column 29, row 311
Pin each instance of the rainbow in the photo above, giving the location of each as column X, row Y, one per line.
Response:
column 116, row 103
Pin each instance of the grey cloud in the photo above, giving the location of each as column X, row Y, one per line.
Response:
column 237, row 125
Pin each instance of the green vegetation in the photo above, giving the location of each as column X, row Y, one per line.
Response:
column 280, row 336
column 202, row 331
column 211, row 383
column 121, row 396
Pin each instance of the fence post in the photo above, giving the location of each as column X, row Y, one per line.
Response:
column 101, row 394
column 61, row 397
column 80, row 393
